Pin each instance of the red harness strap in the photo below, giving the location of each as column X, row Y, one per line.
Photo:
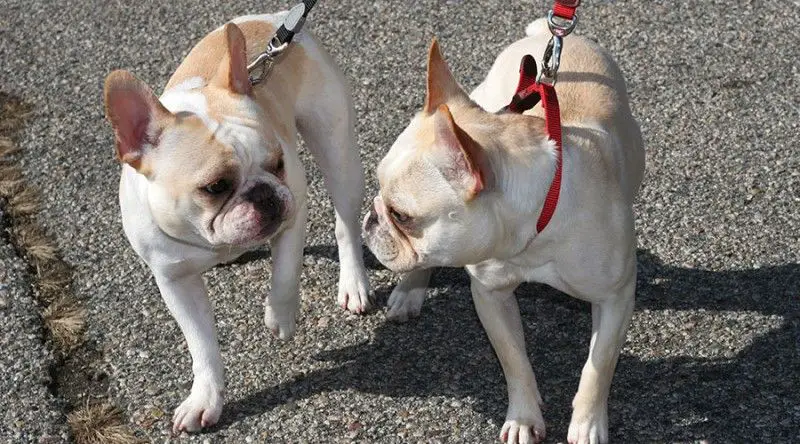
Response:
column 566, row 8
column 529, row 92
column 552, row 121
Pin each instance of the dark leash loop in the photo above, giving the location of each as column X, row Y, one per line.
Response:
column 292, row 24
column 259, row 68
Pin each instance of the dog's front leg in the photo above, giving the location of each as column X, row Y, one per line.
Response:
column 499, row 314
column 283, row 300
column 610, row 321
column 406, row 299
column 187, row 300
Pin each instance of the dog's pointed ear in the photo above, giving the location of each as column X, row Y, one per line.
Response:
column 135, row 113
column 442, row 86
column 468, row 165
column 232, row 72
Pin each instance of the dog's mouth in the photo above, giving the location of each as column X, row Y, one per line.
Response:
column 387, row 248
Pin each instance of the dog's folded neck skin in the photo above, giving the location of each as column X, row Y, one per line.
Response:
column 522, row 160
column 516, row 157
column 519, row 158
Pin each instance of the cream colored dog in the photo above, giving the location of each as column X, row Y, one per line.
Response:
column 464, row 186
column 210, row 170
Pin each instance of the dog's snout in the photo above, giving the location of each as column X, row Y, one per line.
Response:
column 265, row 200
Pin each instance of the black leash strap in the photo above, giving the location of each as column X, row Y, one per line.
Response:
column 294, row 21
column 259, row 68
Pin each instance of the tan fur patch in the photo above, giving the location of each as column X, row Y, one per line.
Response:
column 589, row 86
column 276, row 96
column 204, row 59
column 198, row 151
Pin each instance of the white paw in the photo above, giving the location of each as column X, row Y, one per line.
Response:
column 201, row 409
column 589, row 428
column 404, row 304
column 523, row 432
column 281, row 318
column 353, row 289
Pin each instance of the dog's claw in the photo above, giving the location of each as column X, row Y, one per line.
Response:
column 280, row 318
column 353, row 289
column 515, row 432
column 589, row 427
column 201, row 409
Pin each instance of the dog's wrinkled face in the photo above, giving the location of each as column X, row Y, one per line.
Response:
column 432, row 201
column 215, row 167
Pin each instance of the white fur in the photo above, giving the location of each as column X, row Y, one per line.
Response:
column 178, row 260
column 587, row 250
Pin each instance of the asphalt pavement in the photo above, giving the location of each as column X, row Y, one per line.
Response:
column 713, row 352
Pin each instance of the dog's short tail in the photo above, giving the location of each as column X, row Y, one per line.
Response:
column 536, row 26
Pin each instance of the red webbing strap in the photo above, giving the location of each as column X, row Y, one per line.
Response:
column 566, row 8
column 527, row 92
column 552, row 121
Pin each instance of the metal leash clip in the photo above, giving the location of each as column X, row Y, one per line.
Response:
column 551, row 60
column 293, row 23
column 263, row 63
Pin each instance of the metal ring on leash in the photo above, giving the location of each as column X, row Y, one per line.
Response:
column 551, row 60
column 263, row 63
column 560, row 26
column 259, row 68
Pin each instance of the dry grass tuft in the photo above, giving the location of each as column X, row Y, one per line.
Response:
column 53, row 280
column 66, row 321
column 7, row 148
column 10, row 181
column 24, row 202
column 13, row 113
column 31, row 240
column 100, row 424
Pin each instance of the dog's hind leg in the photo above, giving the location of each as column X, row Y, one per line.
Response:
column 326, row 122
column 610, row 321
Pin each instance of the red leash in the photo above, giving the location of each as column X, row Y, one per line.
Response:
column 532, row 88
column 565, row 9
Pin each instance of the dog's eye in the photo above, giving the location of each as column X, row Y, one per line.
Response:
column 399, row 217
column 279, row 165
column 217, row 187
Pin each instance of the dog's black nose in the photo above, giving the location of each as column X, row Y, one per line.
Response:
column 265, row 201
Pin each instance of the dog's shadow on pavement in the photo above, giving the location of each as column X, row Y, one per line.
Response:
column 754, row 395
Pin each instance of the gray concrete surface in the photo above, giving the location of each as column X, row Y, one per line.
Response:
column 28, row 410
column 713, row 352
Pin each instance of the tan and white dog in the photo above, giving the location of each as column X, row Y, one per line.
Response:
column 464, row 186
column 211, row 170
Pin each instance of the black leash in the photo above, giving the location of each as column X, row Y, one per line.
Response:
column 292, row 24
column 286, row 33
